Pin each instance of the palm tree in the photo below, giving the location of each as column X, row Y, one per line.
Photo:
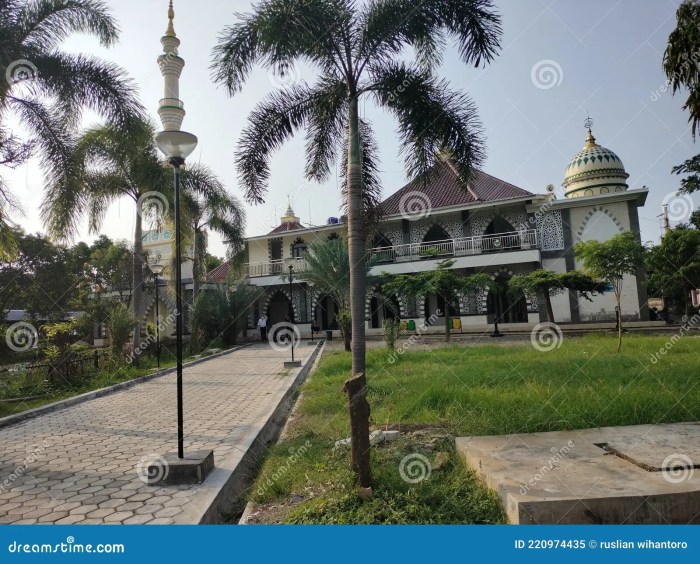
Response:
column 206, row 207
column 357, row 50
column 47, row 90
column 328, row 271
column 115, row 166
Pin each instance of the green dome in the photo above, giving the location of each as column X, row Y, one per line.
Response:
column 594, row 170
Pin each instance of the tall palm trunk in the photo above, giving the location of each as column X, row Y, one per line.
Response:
column 137, row 283
column 195, row 266
column 356, row 386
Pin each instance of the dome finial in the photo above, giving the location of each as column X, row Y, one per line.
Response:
column 170, row 32
column 590, row 140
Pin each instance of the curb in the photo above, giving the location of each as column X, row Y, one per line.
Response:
column 87, row 396
column 226, row 490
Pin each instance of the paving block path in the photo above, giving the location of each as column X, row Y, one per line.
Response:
column 85, row 464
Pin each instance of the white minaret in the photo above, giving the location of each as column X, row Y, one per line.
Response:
column 171, row 110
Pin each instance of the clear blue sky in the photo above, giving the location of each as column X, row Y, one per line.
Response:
column 604, row 57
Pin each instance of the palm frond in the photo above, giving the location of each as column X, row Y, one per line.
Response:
column 270, row 124
column 79, row 82
column 45, row 24
column 390, row 25
column 434, row 120
column 327, row 126
column 278, row 33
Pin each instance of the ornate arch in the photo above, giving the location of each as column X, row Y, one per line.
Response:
column 403, row 311
column 422, row 229
column 590, row 214
column 268, row 298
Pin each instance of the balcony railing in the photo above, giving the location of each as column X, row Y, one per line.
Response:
column 275, row 267
column 464, row 246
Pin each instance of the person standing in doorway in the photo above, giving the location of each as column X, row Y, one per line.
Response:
column 262, row 324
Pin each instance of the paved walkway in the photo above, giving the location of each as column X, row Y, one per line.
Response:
column 85, row 464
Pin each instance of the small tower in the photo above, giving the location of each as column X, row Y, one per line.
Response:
column 289, row 216
column 171, row 110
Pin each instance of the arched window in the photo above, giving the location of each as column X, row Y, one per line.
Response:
column 437, row 242
column 298, row 248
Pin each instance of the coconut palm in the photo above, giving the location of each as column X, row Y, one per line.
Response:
column 359, row 52
column 114, row 166
column 47, row 90
column 208, row 207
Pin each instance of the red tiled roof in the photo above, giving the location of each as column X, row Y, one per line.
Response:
column 287, row 226
column 219, row 273
column 445, row 190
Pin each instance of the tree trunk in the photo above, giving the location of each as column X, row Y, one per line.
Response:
column 359, row 416
column 548, row 303
column 359, row 439
column 447, row 323
column 618, row 317
column 195, row 267
column 137, row 285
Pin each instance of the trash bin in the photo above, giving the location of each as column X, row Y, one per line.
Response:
column 404, row 326
column 329, row 335
column 411, row 325
column 456, row 324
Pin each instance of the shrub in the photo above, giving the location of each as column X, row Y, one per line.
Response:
column 392, row 331
column 120, row 322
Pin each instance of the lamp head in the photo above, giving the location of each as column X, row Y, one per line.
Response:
column 176, row 145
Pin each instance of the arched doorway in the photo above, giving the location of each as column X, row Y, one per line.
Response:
column 382, row 308
column 435, row 305
column 436, row 241
column 325, row 312
column 499, row 226
column 280, row 308
column 382, row 248
column 508, row 308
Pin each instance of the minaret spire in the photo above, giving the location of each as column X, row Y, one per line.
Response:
column 172, row 110
column 170, row 32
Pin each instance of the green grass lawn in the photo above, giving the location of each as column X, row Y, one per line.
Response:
column 465, row 390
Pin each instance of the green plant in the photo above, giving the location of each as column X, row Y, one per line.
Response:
column 119, row 325
column 392, row 331
column 611, row 260
column 344, row 319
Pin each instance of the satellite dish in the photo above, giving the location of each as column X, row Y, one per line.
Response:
column 551, row 188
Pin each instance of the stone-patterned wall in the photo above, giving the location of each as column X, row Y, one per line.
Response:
column 452, row 223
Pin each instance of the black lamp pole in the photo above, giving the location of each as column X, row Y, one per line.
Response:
column 177, row 162
column 157, row 324
column 497, row 301
column 291, row 277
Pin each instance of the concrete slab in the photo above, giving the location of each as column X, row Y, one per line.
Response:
column 631, row 475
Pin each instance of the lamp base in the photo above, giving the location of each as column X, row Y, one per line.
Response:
column 173, row 471
column 292, row 363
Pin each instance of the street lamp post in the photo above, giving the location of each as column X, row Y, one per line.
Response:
column 291, row 330
column 291, row 277
column 177, row 145
column 157, row 269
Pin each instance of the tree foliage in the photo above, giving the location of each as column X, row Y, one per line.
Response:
column 611, row 261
